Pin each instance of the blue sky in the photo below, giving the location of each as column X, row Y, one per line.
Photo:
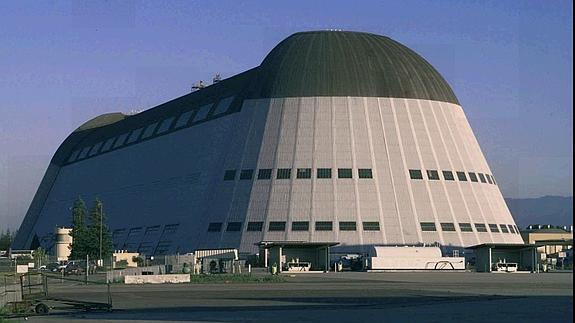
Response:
column 64, row 62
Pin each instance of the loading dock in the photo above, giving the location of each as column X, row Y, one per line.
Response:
column 492, row 257
column 296, row 256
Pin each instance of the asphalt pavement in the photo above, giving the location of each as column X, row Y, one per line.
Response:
column 336, row 297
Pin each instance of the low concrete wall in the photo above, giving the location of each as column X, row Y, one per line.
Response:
column 119, row 274
column 157, row 279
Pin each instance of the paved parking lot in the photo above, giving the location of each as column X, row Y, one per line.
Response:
column 341, row 297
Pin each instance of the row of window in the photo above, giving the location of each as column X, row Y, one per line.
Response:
column 286, row 173
column 449, row 176
column 295, row 226
column 352, row 226
column 147, row 247
column 185, row 119
column 119, row 234
column 466, row 227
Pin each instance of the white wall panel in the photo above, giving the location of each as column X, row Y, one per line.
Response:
column 178, row 178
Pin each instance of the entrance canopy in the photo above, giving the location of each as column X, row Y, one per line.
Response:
column 488, row 255
column 296, row 256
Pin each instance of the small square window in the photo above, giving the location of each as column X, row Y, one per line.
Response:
column 163, row 247
column 223, row 105
column 465, row 227
column 480, row 227
column 277, row 226
column 74, row 156
column 493, row 178
column 488, row 179
column 428, row 226
column 448, row 175
column 283, row 173
column 473, row 177
column 364, row 173
column 183, row 119
column 120, row 140
column 482, row 178
column 149, row 130
column 215, row 227
column 493, row 227
column 511, row 228
column 230, row 175
column 234, row 227
column 344, row 173
column 300, row 226
column 108, row 144
column 446, row 226
column 166, row 125
column 461, row 176
column 324, row 173
column 323, row 226
column 246, row 174
column 433, row 175
column 134, row 232
column 504, row 228
column 202, row 112
column 255, row 226
column 347, row 226
column 415, row 174
column 265, row 173
column 95, row 149
column 304, row 173
column 170, row 229
column 152, row 230
column 371, row 226
column 84, row 152
column 135, row 135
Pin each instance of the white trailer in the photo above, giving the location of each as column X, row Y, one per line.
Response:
column 412, row 258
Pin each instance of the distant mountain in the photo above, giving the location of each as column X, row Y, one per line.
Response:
column 555, row 210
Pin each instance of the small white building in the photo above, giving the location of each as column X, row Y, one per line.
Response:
column 128, row 257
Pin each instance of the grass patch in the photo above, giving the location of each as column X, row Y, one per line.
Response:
column 3, row 313
column 231, row 279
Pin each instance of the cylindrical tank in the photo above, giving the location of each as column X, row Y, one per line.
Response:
column 63, row 243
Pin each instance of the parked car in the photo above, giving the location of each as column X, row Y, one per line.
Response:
column 62, row 266
column 51, row 267
column 74, row 268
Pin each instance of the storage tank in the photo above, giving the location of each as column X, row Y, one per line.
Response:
column 63, row 243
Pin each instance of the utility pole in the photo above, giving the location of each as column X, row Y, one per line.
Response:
column 101, row 222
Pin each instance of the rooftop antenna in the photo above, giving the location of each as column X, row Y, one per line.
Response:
column 198, row 86
column 134, row 111
column 216, row 78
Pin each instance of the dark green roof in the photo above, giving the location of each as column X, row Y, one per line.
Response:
column 316, row 63
column 341, row 63
column 102, row 120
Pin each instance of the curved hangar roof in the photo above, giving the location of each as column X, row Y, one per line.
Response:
column 341, row 63
column 315, row 63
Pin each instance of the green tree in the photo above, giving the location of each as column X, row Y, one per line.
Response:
column 6, row 239
column 79, row 233
column 100, row 240
column 40, row 257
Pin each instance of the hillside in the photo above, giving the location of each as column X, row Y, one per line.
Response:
column 555, row 210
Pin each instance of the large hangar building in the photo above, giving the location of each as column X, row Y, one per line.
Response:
column 337, row 136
